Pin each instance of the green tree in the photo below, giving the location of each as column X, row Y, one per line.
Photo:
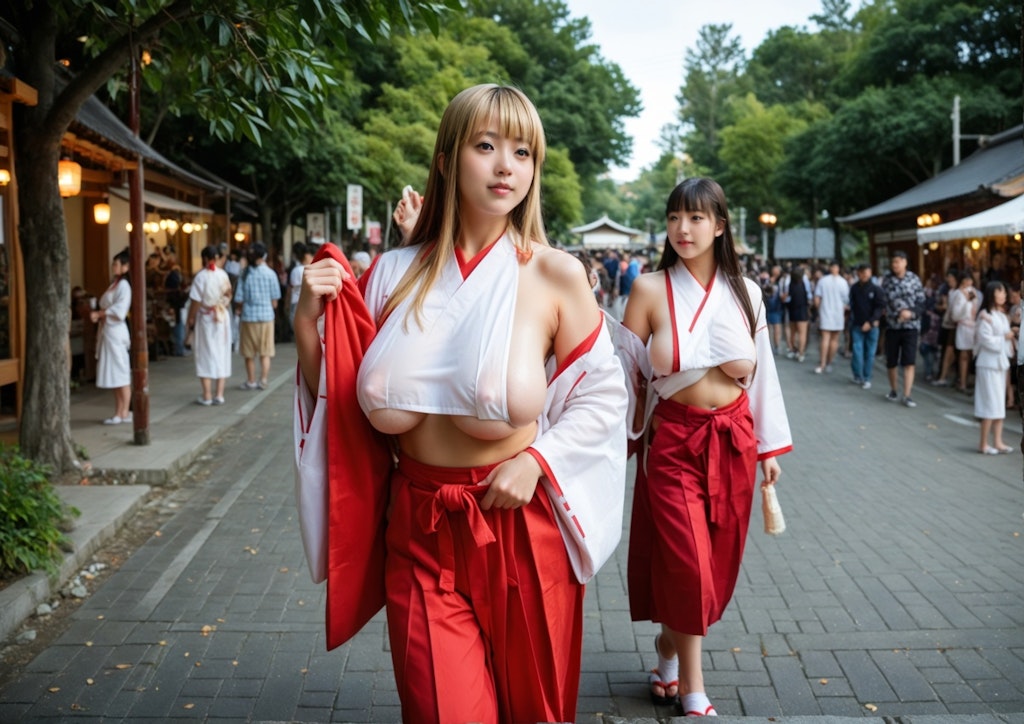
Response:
column 974, row 41
column 713, row 74
column 250, row 66
column 794, row 65
column 583, row 98
column 753, row 150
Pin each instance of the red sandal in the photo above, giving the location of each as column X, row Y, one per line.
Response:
column 666, row 676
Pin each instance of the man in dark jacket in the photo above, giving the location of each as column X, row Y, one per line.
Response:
column 867, row 305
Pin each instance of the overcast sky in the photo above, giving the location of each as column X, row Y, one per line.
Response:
column 648, row 40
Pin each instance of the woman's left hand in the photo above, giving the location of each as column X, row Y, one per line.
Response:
column 512, row 484
column 771, row 471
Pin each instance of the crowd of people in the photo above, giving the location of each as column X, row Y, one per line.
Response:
column 941, row 329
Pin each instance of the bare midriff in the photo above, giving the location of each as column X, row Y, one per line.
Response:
column 439, row 440
column 716, row 389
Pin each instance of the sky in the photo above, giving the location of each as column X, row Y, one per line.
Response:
column 648, row 41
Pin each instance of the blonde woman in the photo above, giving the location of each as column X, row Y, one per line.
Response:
column 494, row 376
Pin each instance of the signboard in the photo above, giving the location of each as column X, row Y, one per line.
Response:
column 354, row 207
column 373, row 233
column 315, row 224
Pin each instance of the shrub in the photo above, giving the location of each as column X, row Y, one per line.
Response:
column 31, row 516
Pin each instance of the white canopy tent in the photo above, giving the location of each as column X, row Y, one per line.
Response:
column 1006, row 219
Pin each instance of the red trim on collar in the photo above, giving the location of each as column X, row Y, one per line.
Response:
column 672, row 321
column 467, row 267
column 707, row 293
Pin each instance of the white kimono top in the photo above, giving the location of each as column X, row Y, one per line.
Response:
column 991, row 347
column 710, row 329
column 114, row 368
column 467, row 323
column 211, row 290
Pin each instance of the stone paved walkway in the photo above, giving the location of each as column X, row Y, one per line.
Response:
column 897, row 591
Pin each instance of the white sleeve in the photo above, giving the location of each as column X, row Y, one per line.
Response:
column 309, row 430
column 771, row 425
column 121, row 302
column 581, row 446
column 985, row 336
column 636, row 364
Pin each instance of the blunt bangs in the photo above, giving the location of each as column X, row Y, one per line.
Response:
column 694, row 195
column 517, row 118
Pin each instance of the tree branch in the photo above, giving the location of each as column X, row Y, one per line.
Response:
column 92, row 77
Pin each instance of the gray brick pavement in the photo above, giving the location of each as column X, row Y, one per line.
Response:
column 898, row 592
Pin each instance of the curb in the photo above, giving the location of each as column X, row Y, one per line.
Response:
column 104, row 510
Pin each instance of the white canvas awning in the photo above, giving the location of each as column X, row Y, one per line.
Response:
column 1006, row 219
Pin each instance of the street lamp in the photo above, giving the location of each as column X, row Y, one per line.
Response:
column 767, row 222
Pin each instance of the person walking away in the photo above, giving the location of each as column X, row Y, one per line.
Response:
column 993, row 347
column 773, row 302
column 798, row 300
column 114, row 370
column 494, row 372
column 867, row 305
column 931, row 322
column 832, row 298
column 696, row 334
column 177, row 296
column 302, row 255
column 964, row 303
column 629, row 273
column 904, row 302
column 209, row 322
column 259, row 289
column 947, row 332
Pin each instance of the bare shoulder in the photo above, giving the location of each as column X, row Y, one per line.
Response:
column 649, row 284
column 559, row 267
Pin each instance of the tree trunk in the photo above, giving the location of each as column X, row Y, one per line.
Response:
column 46, row 414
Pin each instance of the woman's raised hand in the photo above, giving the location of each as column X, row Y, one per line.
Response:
column 407, row 211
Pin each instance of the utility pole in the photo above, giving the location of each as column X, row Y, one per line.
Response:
column 137, row 273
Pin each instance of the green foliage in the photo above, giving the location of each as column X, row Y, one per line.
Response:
column 854, row 112
column 31, row 514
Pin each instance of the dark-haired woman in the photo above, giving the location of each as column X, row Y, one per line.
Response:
column 993, row 345
column 114, row 371
column 719, row 411
column 209, row 321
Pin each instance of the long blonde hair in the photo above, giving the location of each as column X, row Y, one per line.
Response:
column 439, row 221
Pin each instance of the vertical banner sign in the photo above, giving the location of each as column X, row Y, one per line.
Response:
column 354, row 207
column 373, row 232
column 315, row 231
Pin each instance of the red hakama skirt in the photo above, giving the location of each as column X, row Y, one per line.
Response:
column 484, row 613
column 691, row 510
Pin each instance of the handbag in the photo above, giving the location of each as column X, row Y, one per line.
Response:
column 774, row 522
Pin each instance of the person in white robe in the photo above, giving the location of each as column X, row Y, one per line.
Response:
column 114, row 371
column 209, row 324
column 993, row 347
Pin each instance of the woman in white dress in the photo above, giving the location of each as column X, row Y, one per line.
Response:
column 209, row 322
column 993, row 347
column 963, row 306
column 114, row 371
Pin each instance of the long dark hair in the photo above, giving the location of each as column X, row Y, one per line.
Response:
column 124, row 257
column 988, row 300
column 706, row 196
